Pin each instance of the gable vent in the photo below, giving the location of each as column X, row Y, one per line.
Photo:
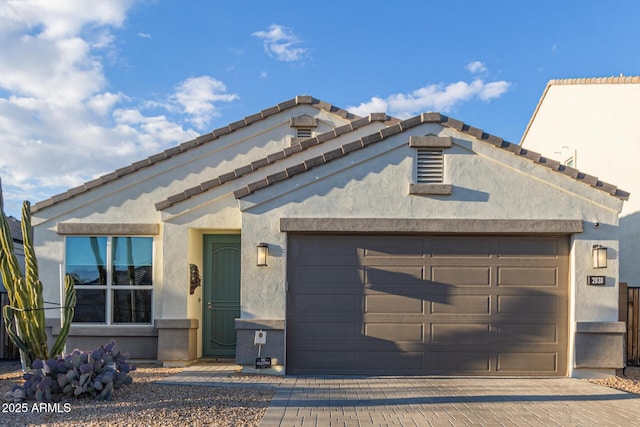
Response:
column 303, row 133
column 430, row 167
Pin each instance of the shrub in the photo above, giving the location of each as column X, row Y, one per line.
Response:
column 79, row 374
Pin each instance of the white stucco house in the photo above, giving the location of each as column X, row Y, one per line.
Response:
column 592, row 124
column 356, row 244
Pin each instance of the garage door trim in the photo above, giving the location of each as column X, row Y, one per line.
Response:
column 430, row 226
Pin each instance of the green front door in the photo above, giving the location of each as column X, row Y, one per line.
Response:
column 221, row 302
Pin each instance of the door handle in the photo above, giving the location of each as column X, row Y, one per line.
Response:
column 210, row 305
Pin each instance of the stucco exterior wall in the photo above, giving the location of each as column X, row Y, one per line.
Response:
column 597, row 124
column 132, row 199
column 488, row 183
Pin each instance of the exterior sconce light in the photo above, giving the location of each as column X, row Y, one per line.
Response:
column 263, row 254
column 599, row 254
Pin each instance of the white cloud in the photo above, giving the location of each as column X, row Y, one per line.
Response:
column 103, row 103
column 197, row 95
column 280, row 42
column 476, row 67
column 59, row 124
column 375, row 105
column 144, row 35
column 494, row 90
column 436, row 97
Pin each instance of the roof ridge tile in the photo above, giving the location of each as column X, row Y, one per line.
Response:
column 432, row 117
column 391, row 130
column 394, row 126
column 410, row 122
column 622, row 79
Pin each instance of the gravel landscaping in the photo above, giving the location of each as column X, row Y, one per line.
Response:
column 626, row 380
column 143, row 403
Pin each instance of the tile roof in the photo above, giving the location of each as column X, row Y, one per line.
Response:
column 596, row 80
column 345, row 149
column 200, row 140
column 274, row 157
column 620, row 80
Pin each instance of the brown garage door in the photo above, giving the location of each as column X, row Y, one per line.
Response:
column 452, row 305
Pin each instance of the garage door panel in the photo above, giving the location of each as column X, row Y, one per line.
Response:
column 518, row 362
column 397, row 276
column 328, row 246
column 313, row 332
column 463, row 362
column 528, row 304
column 528, row 248
column 394, row 332
column 327, row 304
column 528, row 276
column 461, row 247
column 393, row 361
column 467, row 305
column 393, row 304
column 311, row 275
column 462, row 276
column 392, row 246
column 462, row 304
column 460, row 333
column 333, row 361
column 521, row 334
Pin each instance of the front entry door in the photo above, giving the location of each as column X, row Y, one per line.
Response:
column 221, row 294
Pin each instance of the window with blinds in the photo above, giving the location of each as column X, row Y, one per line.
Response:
column 430, row 166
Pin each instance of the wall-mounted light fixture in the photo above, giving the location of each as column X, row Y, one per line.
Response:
column 599, row 254
column 263, row 254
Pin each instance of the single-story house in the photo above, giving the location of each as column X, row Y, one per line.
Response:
column 346, row 244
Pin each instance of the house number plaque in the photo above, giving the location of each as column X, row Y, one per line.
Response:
column 595, row 280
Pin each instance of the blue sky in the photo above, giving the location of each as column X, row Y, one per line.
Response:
column 87, row 88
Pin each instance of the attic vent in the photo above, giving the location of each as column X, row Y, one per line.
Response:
column 430, row 167
column 303, row 133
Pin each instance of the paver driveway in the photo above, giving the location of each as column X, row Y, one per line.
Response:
column 429, row 401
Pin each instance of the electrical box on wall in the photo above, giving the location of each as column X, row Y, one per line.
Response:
column 260, row 338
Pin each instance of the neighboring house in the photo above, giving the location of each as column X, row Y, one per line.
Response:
column 16, row 234
column 592, row 124
column 359, row 245
column 7, row 349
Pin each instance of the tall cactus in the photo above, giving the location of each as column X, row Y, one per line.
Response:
column 24, row 316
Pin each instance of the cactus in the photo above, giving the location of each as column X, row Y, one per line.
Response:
column 24, row 316
column 78, row 374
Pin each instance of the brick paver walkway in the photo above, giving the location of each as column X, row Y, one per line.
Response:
column 383, row 401
column 428, row 401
